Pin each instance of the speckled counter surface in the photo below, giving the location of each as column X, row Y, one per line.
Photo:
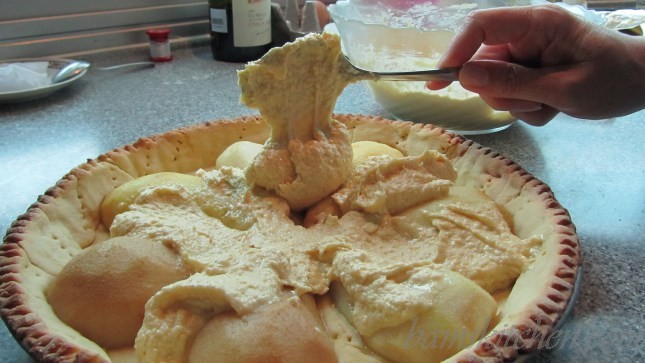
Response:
column 595, row 168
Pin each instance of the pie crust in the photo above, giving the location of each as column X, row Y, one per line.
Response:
column 66, row 219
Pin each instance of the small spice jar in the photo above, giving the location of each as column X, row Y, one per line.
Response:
column 159, row 45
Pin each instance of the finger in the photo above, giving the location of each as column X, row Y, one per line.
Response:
column 510, row 25
column 513, row 81
column 437, row 85
column 512, row 105
column 493, row 52
column 537, row 118
column 484, row 27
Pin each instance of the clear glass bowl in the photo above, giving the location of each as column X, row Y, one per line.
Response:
column 410, row 35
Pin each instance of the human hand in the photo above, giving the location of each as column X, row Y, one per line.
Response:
column 537, row 61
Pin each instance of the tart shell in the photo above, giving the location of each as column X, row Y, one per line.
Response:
column 65, row 219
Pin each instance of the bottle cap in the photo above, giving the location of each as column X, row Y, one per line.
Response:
column 158, row 35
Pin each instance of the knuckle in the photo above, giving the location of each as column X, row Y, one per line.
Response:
column 511, row 81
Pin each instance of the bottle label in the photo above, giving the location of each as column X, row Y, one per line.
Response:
column 251, row 22
column 218, row 21
column 159, row 50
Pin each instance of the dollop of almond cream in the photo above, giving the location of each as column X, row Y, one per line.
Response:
column 295, row 88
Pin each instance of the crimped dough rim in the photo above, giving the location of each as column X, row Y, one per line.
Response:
column 66, row 219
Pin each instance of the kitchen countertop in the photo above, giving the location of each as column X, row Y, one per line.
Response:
column 595, row 168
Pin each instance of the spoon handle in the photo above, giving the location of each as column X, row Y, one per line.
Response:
column 356, row 72
column 442, row 74
column 125, row 65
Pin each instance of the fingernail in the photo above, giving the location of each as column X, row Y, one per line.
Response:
column 530, row 108
column 436, row 85
column 472, row 75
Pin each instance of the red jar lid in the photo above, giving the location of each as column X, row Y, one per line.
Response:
column 158, row 35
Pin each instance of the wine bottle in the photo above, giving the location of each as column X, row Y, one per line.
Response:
column 240, row 29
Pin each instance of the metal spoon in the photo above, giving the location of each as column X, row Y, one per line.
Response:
column 358, row 73
column 76, row 67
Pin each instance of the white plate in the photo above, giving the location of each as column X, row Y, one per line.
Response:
column 34, row 93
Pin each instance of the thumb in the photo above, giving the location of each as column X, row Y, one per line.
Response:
column 502, row 80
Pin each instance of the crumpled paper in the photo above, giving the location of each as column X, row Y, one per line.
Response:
column 22, row 76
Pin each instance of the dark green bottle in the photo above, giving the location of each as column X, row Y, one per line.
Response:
column 240, row 29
